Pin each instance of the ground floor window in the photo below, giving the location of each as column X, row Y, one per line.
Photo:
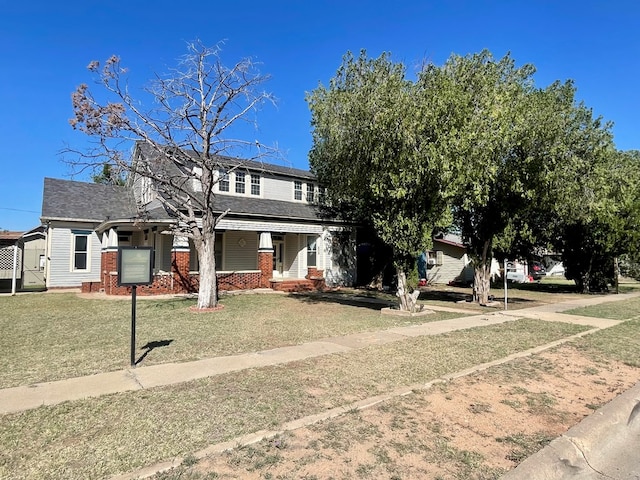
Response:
column 80, row 255
column 194, row 261
column 312, row 251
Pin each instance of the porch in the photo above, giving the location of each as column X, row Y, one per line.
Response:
column 246, row 260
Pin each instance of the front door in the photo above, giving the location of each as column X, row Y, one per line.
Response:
column 278, row 258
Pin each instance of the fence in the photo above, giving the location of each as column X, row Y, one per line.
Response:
column 6, row 262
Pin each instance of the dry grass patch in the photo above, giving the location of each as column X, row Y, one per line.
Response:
column 100, row 437
column 476, row 427
column 49, row 337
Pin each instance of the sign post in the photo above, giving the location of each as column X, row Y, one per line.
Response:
column 135, row 267
column 505, row 283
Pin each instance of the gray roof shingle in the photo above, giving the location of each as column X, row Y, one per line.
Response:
column 69, row 199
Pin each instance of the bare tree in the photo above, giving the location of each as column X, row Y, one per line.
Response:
column 197, row 109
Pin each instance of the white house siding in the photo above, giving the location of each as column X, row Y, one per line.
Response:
column 240, row 251
column 339, row 252
column 277, row 188
column 292, row 263
column 60, row 251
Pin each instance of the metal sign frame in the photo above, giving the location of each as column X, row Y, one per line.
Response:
column 135, row 266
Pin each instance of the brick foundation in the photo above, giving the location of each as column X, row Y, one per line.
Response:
column 182, row 281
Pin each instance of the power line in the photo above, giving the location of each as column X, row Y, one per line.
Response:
column 18, row 210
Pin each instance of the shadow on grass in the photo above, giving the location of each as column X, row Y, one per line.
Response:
column 151, row 346
column 542, row 287
column 363, row 300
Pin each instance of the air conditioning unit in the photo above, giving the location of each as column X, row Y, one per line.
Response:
column 431, row 261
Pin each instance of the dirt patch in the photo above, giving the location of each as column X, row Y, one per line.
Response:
column 475, row 427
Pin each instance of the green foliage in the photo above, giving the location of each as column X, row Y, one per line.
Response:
column 108, row 177
column 598, row 220
column 374, row 147
column 475, row 143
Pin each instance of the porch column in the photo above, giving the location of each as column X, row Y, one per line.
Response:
column 265, row 258
column 109, row 260
column 180, row 259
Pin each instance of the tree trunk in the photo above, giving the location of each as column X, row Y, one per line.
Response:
column 482, row 277
column 408, row 301
column 208, row 290
column 481, row 284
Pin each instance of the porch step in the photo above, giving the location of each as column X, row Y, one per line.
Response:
column 298, row 285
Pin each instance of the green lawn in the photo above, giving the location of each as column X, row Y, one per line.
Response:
column 55, row 336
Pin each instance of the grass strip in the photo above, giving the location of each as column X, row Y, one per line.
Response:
column 48, row 337
column 96, row 438
column 620, row 343
column 619, row 310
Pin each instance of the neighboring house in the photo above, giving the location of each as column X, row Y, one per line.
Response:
column 448, row 262
column 30, row 260
column 33, row 258
column 271, row 237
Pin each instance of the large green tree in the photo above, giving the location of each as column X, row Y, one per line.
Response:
column 373, row 147
column 508, row 139
column 598, row 219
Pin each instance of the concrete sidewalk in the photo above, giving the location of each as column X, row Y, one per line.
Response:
column 27, row 397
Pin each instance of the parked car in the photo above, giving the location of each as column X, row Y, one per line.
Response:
column 515, row 272
column 537, row 270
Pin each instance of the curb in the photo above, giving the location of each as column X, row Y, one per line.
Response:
column 258, row 436
column 602, row 446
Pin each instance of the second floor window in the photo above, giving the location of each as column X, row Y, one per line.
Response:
column 310, row 192
column 297, row 190
column 255, row 184
column 223, row 183
column 240, row 182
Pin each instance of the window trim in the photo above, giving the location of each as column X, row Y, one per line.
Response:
column 76, row 234
column 240, row 184
column 311, row 193
column 255, row 181
column 297, row 190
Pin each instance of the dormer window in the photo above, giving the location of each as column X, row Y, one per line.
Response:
column 240, row 188
column 297, row 190
column 255, row 184
column 310, row 192
column 223, row 183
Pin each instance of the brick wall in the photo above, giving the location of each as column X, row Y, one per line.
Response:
column 265, row 265
column 239, row 281
column 180, row 281
column 314, row 274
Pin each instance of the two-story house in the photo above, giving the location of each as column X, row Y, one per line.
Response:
column 272, row 236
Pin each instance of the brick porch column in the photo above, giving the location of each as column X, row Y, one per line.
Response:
column 265, row 259
column 180, row 260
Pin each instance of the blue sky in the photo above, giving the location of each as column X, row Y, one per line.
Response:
column 46, row 45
